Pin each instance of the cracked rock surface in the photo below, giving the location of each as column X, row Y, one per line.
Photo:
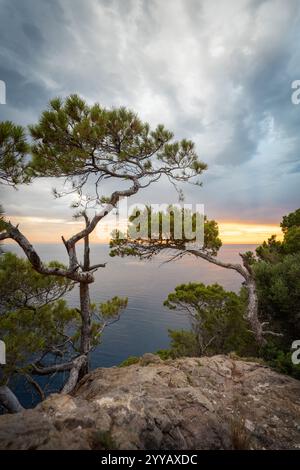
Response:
column 191, row 403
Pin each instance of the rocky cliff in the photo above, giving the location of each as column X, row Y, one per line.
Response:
column 191, row 403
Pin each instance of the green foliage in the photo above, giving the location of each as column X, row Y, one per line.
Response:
column 102, row 440
column 183, row 344
column 75, row 140
column 291, row 243
column 212, row 242
column 165, row 354
column 290, row 220
column 270, row 251
column 111, row 308
column 157, row 230
column 13, row 150
column 129, row 361
column 217, row 321
column 33, row 317
column 273, row 250
column 27, row 332
column 278, row 287
column 21, row 285
column 277, row 275
column 279, row 358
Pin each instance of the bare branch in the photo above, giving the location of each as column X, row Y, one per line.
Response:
column 272, row 333
column 96, row 266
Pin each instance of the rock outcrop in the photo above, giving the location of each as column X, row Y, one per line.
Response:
column 191, row 403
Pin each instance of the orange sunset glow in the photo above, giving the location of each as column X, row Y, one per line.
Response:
column 44, row 230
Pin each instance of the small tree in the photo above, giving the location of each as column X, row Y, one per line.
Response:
column 217, row 322
column 85, row 145
column 149, row 247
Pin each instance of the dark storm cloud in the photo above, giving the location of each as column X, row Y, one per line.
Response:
column 33, row 34
column 219, row 73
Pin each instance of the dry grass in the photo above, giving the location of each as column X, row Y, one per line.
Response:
column 240, row 436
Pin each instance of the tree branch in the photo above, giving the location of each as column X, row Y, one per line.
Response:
column 47, row 370
column 222, row 264
column 115, row 197
column 35, row 385
column 96, row 266
column 15, row 234
column 9, row 400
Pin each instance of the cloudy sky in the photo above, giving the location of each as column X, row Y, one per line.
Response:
column 217, row 72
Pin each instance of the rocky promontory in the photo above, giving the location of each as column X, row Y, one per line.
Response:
column 191, row 403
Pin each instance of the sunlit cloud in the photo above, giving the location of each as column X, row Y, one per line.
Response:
column 243, row 233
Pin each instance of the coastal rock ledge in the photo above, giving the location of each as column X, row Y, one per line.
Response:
column 192, row 403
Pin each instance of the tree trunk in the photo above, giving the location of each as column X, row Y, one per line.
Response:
column 85, row 311
column 86, row 258
column 252, row 311
column 78, row 365
column 9, row 400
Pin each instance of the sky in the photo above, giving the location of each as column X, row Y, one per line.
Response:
column 217, row 72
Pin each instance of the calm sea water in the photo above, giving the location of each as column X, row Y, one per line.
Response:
column 144, row 325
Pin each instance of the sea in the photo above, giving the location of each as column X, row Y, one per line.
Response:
column 143, row 326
